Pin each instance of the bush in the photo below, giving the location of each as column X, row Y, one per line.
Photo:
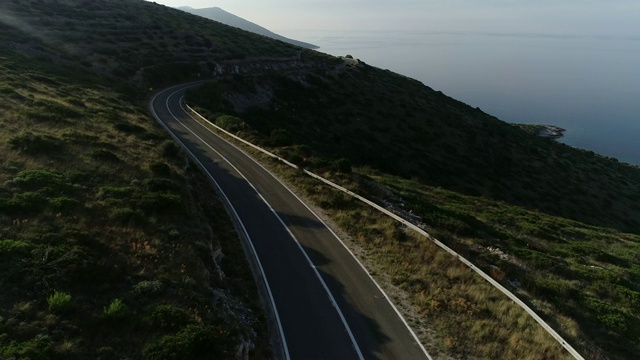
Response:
column 170, row 150
column 280, row 137
column 230, row 123
column 104, row 155
column 148, row 287
column 160, row 169
column 31, row 144
column 10, row 247
column 38, row 179
column 192, row 342
column 45, row 110
column 160, row 204
column 59, row 302
column 63, row 204
column 117, row 310
column 128, row 128
column 160, row 184
column 114, row 192
column 169, row 317
column 127, row 216
column 25, row 203
column 35, row 349
column 342, row 165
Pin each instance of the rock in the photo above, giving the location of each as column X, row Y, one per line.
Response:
column 551, row 131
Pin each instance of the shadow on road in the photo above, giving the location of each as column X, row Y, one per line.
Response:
column 370, row 337
column 301, row 221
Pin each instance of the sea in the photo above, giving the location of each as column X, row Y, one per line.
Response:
column 587, row 84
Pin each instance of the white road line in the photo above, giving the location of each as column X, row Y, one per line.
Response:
column 331, row 298
column 235, row 215
column 406, row 324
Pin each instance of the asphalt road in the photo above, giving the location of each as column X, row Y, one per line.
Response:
column 326, row 305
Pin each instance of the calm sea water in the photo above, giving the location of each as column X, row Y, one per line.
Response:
column 589, row 85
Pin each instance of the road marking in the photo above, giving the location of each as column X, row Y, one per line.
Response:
column 235, row 214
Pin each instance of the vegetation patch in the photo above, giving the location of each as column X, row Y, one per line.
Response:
column 59, row 302
column 31, row 144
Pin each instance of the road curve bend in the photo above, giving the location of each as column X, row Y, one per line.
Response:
column 325, row 305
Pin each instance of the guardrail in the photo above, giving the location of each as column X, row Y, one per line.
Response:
column 417, row 229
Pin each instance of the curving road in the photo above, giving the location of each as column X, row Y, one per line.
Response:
column 323, row 303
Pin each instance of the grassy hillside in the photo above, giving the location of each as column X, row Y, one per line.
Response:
column 107, row 234
column 112, row 244
column 557, row 225
column 136, row 40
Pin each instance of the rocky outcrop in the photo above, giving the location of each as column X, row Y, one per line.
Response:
column 551, row 131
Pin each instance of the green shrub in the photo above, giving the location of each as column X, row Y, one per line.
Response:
column 169, row 317
column 37, row 179
column 31, row 144
column 230, row 123
column 148, row 287
column 159, row 184
column 170, row 150
column 25, row 203
column 63, row 203
column 34, row 349
column 104, row 155
column 342, row 165
column 114, row 192
column 160, row 203
column 129, row 128
column 279, row 137
column 51, row 111
column 117, row 310
column 127, row 216
column 192, row 342
column 160, row 169
column 59, row 302
column 10, row 247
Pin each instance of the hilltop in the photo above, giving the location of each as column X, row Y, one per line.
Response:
column 217, row 14
column 84, row 167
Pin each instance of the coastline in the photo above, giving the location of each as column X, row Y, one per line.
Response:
column 546, row 131
column 551, row 131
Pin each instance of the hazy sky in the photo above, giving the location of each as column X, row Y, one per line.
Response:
column 594, row 17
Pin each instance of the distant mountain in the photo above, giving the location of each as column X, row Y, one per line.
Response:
column 217, row 14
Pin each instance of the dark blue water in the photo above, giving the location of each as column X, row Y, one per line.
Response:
column 589, row 85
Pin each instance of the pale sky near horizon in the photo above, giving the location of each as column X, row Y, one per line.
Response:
column 568, row 17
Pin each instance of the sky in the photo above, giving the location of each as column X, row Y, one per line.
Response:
column 566, row 17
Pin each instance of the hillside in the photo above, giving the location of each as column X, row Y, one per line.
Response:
column 145, row 44
column 217, row 14
column 91, row 268
column 112, row 244
column 558, row 225
column 409, row 130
